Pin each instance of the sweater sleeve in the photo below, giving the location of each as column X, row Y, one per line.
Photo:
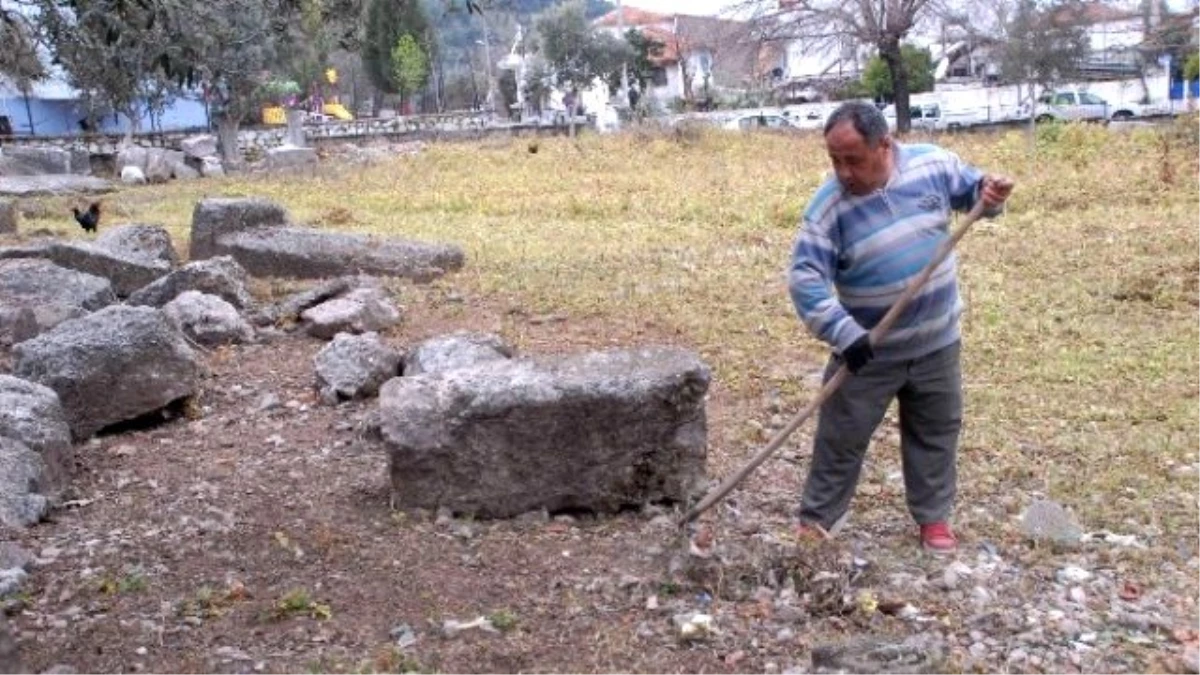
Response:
column 965, row 185
column 810, row 283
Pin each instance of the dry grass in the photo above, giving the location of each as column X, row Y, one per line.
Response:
column 1081, row 331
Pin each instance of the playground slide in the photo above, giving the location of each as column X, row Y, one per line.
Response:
column 337, row 110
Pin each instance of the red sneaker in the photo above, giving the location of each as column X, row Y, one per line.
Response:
column 937, row 538
column 810, row 532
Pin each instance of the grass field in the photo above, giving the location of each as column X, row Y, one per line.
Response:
column 1080, row 336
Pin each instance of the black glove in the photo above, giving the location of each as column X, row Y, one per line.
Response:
column 858, row 354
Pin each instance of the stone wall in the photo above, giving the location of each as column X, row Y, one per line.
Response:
column 256, row 141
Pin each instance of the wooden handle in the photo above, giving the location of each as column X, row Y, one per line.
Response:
column 842, row 373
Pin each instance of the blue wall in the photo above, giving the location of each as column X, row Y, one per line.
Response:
column 61, row 118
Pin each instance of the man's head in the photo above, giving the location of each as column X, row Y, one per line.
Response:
column 856, row 137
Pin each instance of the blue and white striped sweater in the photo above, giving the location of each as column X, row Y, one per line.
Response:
column 855, row 255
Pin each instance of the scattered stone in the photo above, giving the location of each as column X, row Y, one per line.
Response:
column 694, row 627
column 126, row 273
column 874, row 656
column 1046, row 520
column 17, row 324
column 221, row 276
column 199, row 147
column 354, row 366
column 22, row 474
column 53, row 184
column 114, row 365
column 53, row 293
column 32, row 415
column 13, row 556
column 132, row 175
column 11, row 578
column 290, row 157
column 151, row 242
column 212, row 218
column 1073, row 575
column 19, row 160
column 10, row 216
column 462, row 349
column 362, row 310
column 257, row 234
column 597, row 431
column 207, row 320
column 451, row 628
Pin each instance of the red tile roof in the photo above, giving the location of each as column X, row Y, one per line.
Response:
column 633, row 17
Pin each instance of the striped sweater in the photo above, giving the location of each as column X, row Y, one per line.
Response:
column 855, row 255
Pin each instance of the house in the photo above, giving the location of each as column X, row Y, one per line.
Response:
column 703, row 57
column 1114, row 37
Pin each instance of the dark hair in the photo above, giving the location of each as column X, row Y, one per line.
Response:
column 866, row 118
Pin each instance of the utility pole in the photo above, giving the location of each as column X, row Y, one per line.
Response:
column 624, row 93
column 487, row 70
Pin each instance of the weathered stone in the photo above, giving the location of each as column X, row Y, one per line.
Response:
column 311, row 254
column 132, row 175
column 354, row 366
column 32, row 415
column 151, row 242
column 22, row 471
column 290, row 157
column 127, row 274
column 597, row 431
column 211, row 167
column 874, row 656
column 292, row 306
column 34, row 161
column 1046, row 520
column 53, row 293
column 53, row 184
column 200, row 146
column 254, row 232
column 220, row 276
column 457, row 350
column 359, row 311
column 207, row 319
column 10, row 216
column 216, row 217
column 17, row 323
column 110, row 366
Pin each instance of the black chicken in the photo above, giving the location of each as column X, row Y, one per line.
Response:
column 89, row 220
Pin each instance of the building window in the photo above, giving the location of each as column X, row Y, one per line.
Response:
column 658, row 77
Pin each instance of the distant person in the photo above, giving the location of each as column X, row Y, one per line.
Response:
column 866, row 233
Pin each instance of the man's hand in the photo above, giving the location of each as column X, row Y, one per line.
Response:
column 858, row 354
column 996, row 190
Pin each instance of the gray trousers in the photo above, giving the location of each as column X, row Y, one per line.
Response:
column 929, row 390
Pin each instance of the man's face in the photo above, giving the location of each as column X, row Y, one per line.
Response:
column 860, row 168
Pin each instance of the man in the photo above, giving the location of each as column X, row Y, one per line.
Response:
column 866, row 234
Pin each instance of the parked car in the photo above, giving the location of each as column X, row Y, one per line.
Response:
column 1069, row 105
column 925, row 116
column 759, row 121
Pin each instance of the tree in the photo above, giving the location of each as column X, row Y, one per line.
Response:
column 1191, row 67
column 577, row 52
column 537, row 85
column 19, row 61
column 917, row 62
column 410, row 68
column 645, row 51
column 387, row 22
column 827, row 24
column 110, row 49
column 1048, row 50
column 228, row 45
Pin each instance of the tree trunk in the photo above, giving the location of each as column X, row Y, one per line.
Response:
column 33, row 131
column 889, row 50
column 227, row 136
